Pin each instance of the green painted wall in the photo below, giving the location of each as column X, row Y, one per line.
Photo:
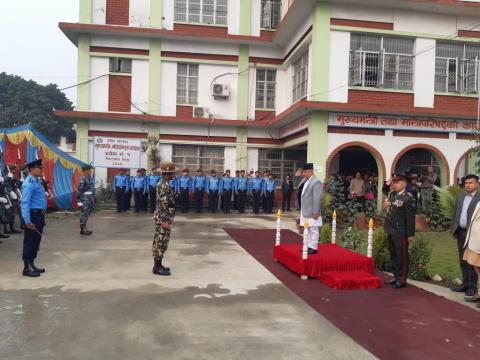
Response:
column 245, row 17
column 241, row 148
column 154, row 77
column 320, row 51
column 242, row 90
column 318, row 141
column 82, row 140
column 85, row 11
column 156, row 13
column 471, row 167
column 83, row 72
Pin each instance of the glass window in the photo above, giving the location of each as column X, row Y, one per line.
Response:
column 456, row 68
column 381, row 62
column 195, row 157
column 300, row 77
column 271, row 13
column 281, row 162
column 265, row 90
column 187, row 84
column 201, row 11
column 120, row 65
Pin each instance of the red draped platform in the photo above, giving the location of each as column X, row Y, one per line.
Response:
column 334, row 265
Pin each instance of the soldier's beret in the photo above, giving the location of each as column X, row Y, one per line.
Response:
column 185, row 170
column 399, row 177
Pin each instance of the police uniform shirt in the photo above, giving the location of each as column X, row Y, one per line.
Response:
column 153, row 180
column 33, row 197
column 241, row 184
column 120, row 181
column 269, row 185
column 226, row 183
column 200, row 182
column 139, row 183
column 256, row 184
column 213, row 184
column 173, row 183
column 185, row 182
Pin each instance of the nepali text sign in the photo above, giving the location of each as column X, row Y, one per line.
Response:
column 401, row 123
column 116, row 153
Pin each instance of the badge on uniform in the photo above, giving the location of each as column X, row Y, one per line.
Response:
column 398, row 203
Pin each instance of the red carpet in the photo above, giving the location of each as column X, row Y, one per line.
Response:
column 392, row 324
column 329, row 258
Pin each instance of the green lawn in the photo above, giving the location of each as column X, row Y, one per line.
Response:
column 444, row 261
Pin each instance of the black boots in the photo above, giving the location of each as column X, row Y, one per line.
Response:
column 159, row 269
column 84, row 230
column 13, row 230
column 5, row 229
column 3, row 236
column 29, row 270
column 39, row 270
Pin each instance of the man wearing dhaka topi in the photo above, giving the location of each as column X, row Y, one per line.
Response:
column 311, row 189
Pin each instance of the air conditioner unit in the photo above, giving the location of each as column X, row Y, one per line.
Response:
column 221, row 91
column 201, row 112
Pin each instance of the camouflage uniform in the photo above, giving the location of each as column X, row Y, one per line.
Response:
column 164, row 212
column 86, row 195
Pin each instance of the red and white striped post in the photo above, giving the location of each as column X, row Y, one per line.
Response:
column 334, row 227
column 305, row 245
column 370, row 238
column 279, row 227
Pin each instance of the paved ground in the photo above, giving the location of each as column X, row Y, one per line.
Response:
column 102, row 302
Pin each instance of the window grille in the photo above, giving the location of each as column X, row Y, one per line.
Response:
column 195, row 157
column 300, row 77
column 271, row 13
column 201, row 11
column 265, row 90
column 381, row 62
column 187, row 84
column 281, row 162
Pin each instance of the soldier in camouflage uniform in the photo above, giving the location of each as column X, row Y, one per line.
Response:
column 163, row 217
column 85, row 198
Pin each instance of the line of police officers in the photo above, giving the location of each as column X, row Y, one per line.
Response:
column 219, row 190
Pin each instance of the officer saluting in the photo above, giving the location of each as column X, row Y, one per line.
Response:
column 85, row 198
column 34, row 204
column 400, row 227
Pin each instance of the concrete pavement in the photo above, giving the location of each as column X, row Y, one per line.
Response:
column 99, row 299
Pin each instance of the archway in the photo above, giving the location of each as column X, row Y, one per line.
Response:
column 465, row 165
column 355, row 156
column 416, row 158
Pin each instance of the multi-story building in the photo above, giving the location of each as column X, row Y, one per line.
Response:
column 374, row 85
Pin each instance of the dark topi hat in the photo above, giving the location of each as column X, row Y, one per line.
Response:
column 35, row 164
column 308, row 166
column 167, row 167
column 87, row 167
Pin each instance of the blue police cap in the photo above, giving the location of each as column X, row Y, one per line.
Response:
column 34, row 164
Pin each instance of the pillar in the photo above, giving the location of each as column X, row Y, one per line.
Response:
column 318, row 141
column 320, row 51
column 154, row 69
column 245, row 17
column 83, row 72
column 82, row 140
column 241, row 149
column 85, row 11
column 156, row 13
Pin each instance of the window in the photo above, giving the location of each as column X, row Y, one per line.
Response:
column 187, row 84
column 202, row 11
column 120, row 65
column 195, row 157
column 281, row 162
column 381, row 62
column 265, row 94
column 271, row 13
column 300, row 77
column 456, row 68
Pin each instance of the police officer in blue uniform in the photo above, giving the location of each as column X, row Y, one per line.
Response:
column 226, row 188
column 153, row 180
column 145, row 194
column 119, row 187
column 185, row 186
column 139, row 188
column 269, row 187
column 212, row 188
column 199, row 184
column 256, row 189
column 33, row 205
column 128, row 194
column 241, row 188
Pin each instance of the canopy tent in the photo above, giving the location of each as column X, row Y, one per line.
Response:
column 23, row 144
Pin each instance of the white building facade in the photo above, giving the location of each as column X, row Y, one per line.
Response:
column 371, row 85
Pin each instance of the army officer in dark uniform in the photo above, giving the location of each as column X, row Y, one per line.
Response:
column 400, row 228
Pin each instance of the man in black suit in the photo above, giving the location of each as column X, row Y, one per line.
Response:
column 464, row 207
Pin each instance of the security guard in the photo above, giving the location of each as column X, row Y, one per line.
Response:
column 400, row 228
column 256, row 189
column 185, row 186
column 33, row 204
column 119, row 187
column 235, row 195
column 269, row 188
column 212, row 188
column 226, row 187
column 240, row 189
column 163, row 217
column 138, row 188
column 199, row 184
column 153, row 180
column 86, row 198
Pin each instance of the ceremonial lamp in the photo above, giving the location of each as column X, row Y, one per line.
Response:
column 305, row 245
column 279, row 227
column 370, row 238
column 334, row 227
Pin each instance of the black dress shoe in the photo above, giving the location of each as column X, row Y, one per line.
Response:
column 312, row 251
column 13, row 230
column 398, row 284
column 470, row 292
column 3, row 236
column 391, row 281
column 460, row 288
column 29, row 271
column 40, row 270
